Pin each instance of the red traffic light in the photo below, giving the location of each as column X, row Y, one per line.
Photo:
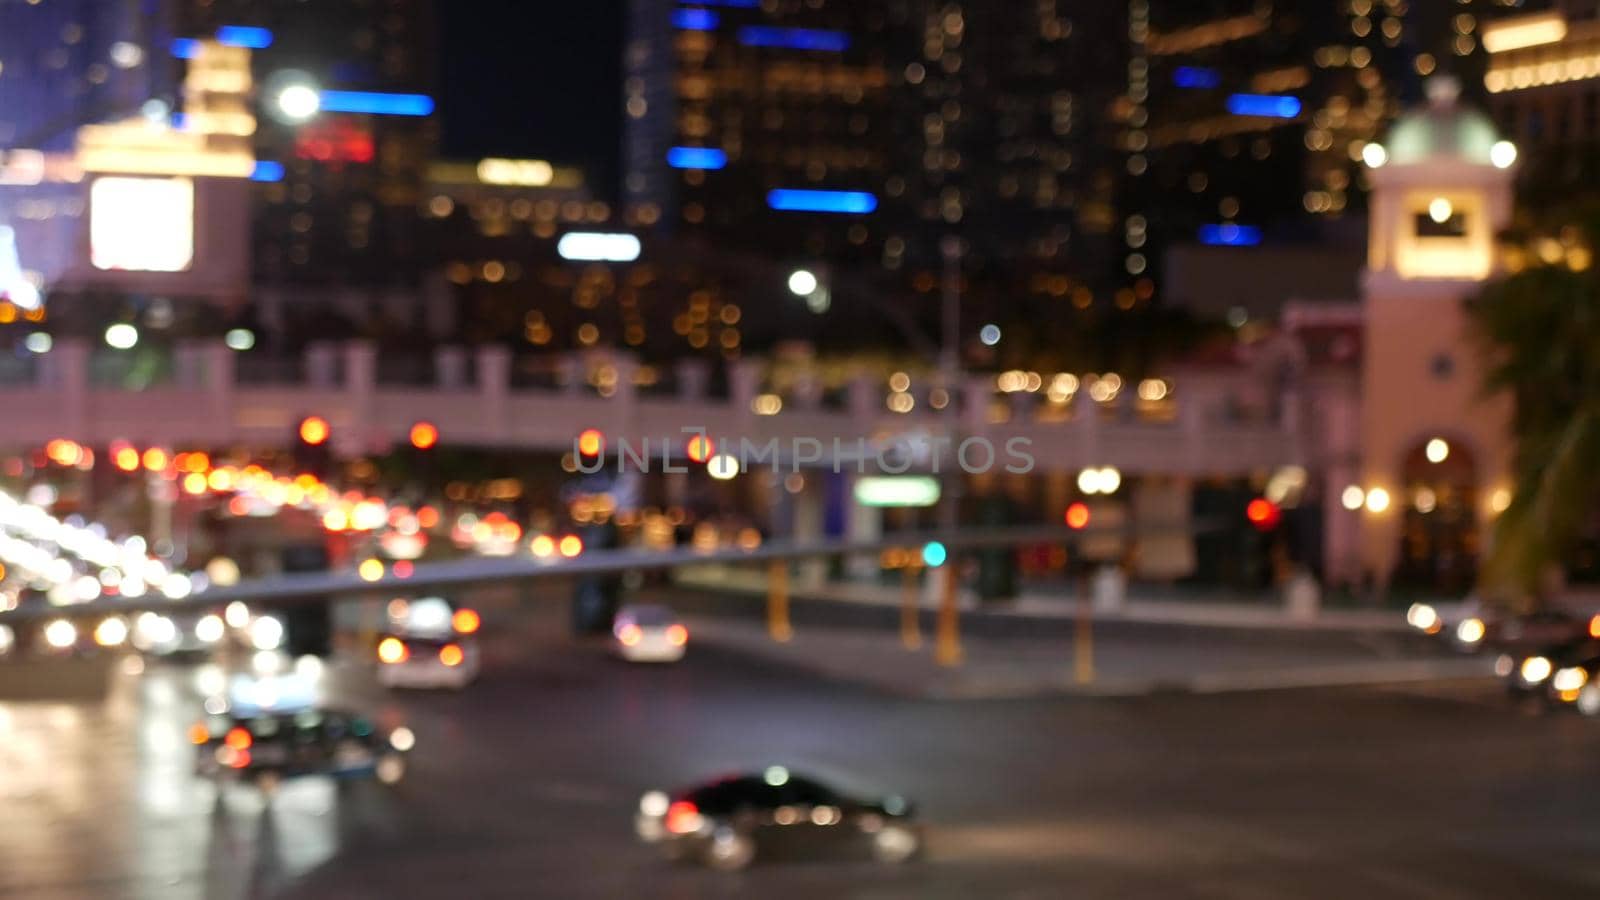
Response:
column 1263, row 514
column 1077, row 515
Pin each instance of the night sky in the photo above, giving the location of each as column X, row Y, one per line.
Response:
column 533, row 78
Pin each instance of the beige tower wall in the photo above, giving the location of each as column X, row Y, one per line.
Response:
column 1410, row 327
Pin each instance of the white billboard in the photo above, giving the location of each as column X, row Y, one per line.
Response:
column 141, row 224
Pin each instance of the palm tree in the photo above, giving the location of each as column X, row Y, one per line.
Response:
column 1540, row 330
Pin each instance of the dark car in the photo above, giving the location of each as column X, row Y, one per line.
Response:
column 268, row 746
column 1530, row 670
column 1573, row 680
column 723, row 822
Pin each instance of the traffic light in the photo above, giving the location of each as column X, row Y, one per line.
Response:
column 1263, row 514
column 312, row 452
column 1077, row 516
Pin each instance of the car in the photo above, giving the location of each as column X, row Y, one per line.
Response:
column 1530, row 671
column 431, row 644
column 648, row 633
column 1576, row 681
column 270, row 729
column 722, row 823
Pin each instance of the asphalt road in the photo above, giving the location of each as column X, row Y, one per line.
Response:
column 524, row 786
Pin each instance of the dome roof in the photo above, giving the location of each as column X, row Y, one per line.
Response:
column 1442, row 130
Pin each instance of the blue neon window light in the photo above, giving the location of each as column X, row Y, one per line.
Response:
column 696, row 158
column 376, row 103
column 1230, row 235
column 794, row 38
column 267, row 170
column 244, row 36
column 792, row 200
column 1196, row 77
column 694, row 19
column 1276, row 106
column 185, row 48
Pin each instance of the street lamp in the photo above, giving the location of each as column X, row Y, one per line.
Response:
column 298, row 102
column 802, row 283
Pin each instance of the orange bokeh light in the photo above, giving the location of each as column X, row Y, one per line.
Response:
column 465, row 621
column 314, row 430
column 591, row 442
column 700, row 448
column 424, row 435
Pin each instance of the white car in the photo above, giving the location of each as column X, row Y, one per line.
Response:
column 419, row 662
column 648, row 633
column 430, row 644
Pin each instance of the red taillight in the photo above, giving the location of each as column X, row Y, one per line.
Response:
column 238, row 739
column 629, row 634
column 678, row 635
column 465, row 621
column 240, row 759
column 451, row 655
column 1594, row 627
column 393, row 650
column 683, row 817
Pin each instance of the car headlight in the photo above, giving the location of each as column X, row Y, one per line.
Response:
column 402, row 739
column 1470, row 631
column 209, row 629
column 1569, row 679
column 653, row 804
column 1535, row 669
column 1423, row 617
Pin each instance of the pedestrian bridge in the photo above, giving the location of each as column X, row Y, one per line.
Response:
column 1203, row 423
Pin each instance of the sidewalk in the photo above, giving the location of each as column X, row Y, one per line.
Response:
column 1039, row 605
column 1018, row 667
column 850, row 632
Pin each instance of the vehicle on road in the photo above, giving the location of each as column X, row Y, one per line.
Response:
column 1531, row 671
column 271, row 729
column 723, row 823
column 1575, row 681
column 430, row 644
column 648, row 633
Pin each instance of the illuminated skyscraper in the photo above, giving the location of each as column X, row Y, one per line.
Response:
column 343, row 208
column 860, row 135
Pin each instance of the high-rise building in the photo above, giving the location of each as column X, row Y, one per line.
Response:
column 1543, row 76
column 859, row 136
column 345, row 209
column 1246, row 120
column 69, row 62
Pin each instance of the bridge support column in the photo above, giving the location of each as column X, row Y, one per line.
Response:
column 66, row 369
column 864, row 523
column 360, row 383
column 806, row 524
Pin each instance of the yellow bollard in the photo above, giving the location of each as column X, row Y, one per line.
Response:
column 778, row 601
column 910, row 619
column 948, row 651
column 1083, row 639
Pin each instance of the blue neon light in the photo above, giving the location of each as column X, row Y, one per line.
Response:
column 856, row 202
column 267, row 170
column 793, row 38
column 1230, row 235
column 1277, row 106
column 1196, row 77
column 739, row 4
column 696, row 158
column 244, row 36
column 694, row 19
column 185, row 48
column 377, row 104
